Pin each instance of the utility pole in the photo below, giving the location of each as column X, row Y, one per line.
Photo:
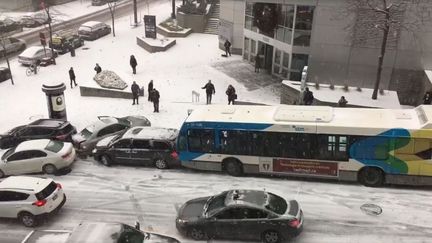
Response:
column 135, row 12
column 47, row 11
column 173, row 16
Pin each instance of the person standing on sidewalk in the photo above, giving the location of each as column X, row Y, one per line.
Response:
column 72, row 77
column 135, row 92
column 133, row 63
column 231, row 93
column 227, row 46
column 97, row 68
column 210, row 90
column 257, row 63
column 149, row 89
column 155, row 99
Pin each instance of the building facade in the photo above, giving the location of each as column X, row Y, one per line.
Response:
column 335, row 42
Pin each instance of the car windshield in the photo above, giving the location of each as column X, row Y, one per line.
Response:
column 54, row 146
column 216, row 202
column 7, row 153
column 87, row 132
column 276, row 204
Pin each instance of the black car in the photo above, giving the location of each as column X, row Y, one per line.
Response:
column 39, row 129
column 149, row 146
column 241, row 214
column 5, row 74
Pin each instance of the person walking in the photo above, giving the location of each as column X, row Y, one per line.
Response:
column 308, row 97
column 210, row 90
column 97, row 68
column 133, row 63
column 427, row 98
column 72, row 77
column 342, row 102
column 149, row 89
column 227, row 46
column 231, row 93
column 155, row 99
column 135, row 92
column 257, row 63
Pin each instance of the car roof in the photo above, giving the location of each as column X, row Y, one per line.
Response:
column 254, row 198
column 89, row 232
column 91, row 23
column 142, row 132
column 25, row 183
column 32, row 145
column 30, row 51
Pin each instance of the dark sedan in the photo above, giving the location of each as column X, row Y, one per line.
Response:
column 241, row 214
column 5, row 74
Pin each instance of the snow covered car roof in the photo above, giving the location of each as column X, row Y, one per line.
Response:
column 35, row 184
column 151, row 133
column 33, row 144
column 31, row 51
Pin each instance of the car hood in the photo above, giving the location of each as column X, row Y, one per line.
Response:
column 105, row 141
column 192, row 209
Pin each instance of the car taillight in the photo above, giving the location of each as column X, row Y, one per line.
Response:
column 174, row 155
column 61, row 137
column 59, row 186
column 64, row 156
column 39, row 203
column 295, row 223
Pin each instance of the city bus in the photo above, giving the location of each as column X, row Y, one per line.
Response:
column 371, row 146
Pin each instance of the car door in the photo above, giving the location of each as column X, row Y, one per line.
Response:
column 10, row 203
column 120, row 151
column 224, row 224
column 140, row 152
column 251, row 223
column 18, row 163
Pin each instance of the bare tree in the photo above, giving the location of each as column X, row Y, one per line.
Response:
column 112, row 5
column 379, row 24
column 46, row 8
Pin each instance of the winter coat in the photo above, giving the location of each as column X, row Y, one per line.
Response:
column 98, row 69
column 227, row 44
column 257, row 61
column 133, row 61
column 150, row 86
column 154, row 95
column 71, row 74
column 308, row 97
column 135, row 89
column 231, row 93
column 210, row 89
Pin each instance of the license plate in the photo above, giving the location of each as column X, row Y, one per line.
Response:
column 55, row 197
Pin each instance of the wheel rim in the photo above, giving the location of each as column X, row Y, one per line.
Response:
column 49, row 169
column 271, row 237
column 233, row 168
column 371, row 176
column 197, row 234
column 161, row 164
column 104, row 160
column 27, row 220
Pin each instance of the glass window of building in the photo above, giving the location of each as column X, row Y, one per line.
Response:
column 303, row 25
column 297, row 64
column 246, row 48
column 285, row 23
column 249, row 17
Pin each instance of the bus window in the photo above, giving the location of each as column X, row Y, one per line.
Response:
column 201, row 140
column 235, row 142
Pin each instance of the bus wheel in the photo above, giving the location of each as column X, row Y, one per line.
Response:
column 233, row 167
column 371, row 176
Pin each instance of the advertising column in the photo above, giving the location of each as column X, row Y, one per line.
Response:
column 55, row 101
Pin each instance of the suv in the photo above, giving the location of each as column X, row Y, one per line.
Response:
column 63, row 40
column 139, row 145
column 92, row 30
column 39, row 129
column 35, row 19
column 30, row 198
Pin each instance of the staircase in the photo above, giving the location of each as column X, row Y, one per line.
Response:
column 213, row 21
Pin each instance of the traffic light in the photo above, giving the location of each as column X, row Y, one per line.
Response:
column 42, row 38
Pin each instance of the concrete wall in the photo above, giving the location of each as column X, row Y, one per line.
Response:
column 232, row 24
column 196, row 22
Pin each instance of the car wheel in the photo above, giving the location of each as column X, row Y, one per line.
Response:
column 371, row 176
column 105, row 160
column 233, row 167
column 197, row 234
column 161, row 164
column 49, row 169
column 2, row 174
column 27, row 219
column 271, row 236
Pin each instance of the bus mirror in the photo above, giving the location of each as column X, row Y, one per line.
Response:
column 189, row 111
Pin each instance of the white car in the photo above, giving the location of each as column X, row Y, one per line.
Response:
column 35, row 156
column 34, row 54
column 11, row 45
column 30, row 198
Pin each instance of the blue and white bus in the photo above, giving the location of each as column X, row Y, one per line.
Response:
column 372, row 146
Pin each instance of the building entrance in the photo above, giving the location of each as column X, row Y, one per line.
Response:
column 265, row 51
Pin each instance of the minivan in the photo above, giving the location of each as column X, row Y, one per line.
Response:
column 93, row 30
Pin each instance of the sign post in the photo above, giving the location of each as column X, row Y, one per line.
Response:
column 150, row 26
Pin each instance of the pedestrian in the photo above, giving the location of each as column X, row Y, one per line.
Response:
column 308, row 97
column 257, row 63
column 97, row 68
column 231, row 93
column 72, row 49
column 72, row 77
column 227, row 46
column 135, row 92
column 150, row 88
column 210, row 90
column 133, row 63
column 155, row 99
column 427, row 98
column 342, row 102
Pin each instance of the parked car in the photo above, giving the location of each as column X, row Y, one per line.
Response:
column 241, row 214
column 42, row 128
column 34, row 19
column 8, row 25
column 139, row 146
column 5, row 74
column 63, row 40
column 100, row 232
column 35, row 54
column 34, row 156
column 93, row 30
column 105, row 126
column 30, row 198
column 11, row 45
column 101, row 2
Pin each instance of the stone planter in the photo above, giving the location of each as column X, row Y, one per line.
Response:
column 168, row 33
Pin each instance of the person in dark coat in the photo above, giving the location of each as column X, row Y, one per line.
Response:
column 308, row 97
column 155, row 99
column 231, row 93
column 72, row 77
column 150, row 88
column 342, row 102
column 133, row 63
column 257, row 63
column 427, row 98
column 97, row 68
column 227, row 46
column 210, row 90
column 72, row 48
column 135, row 92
